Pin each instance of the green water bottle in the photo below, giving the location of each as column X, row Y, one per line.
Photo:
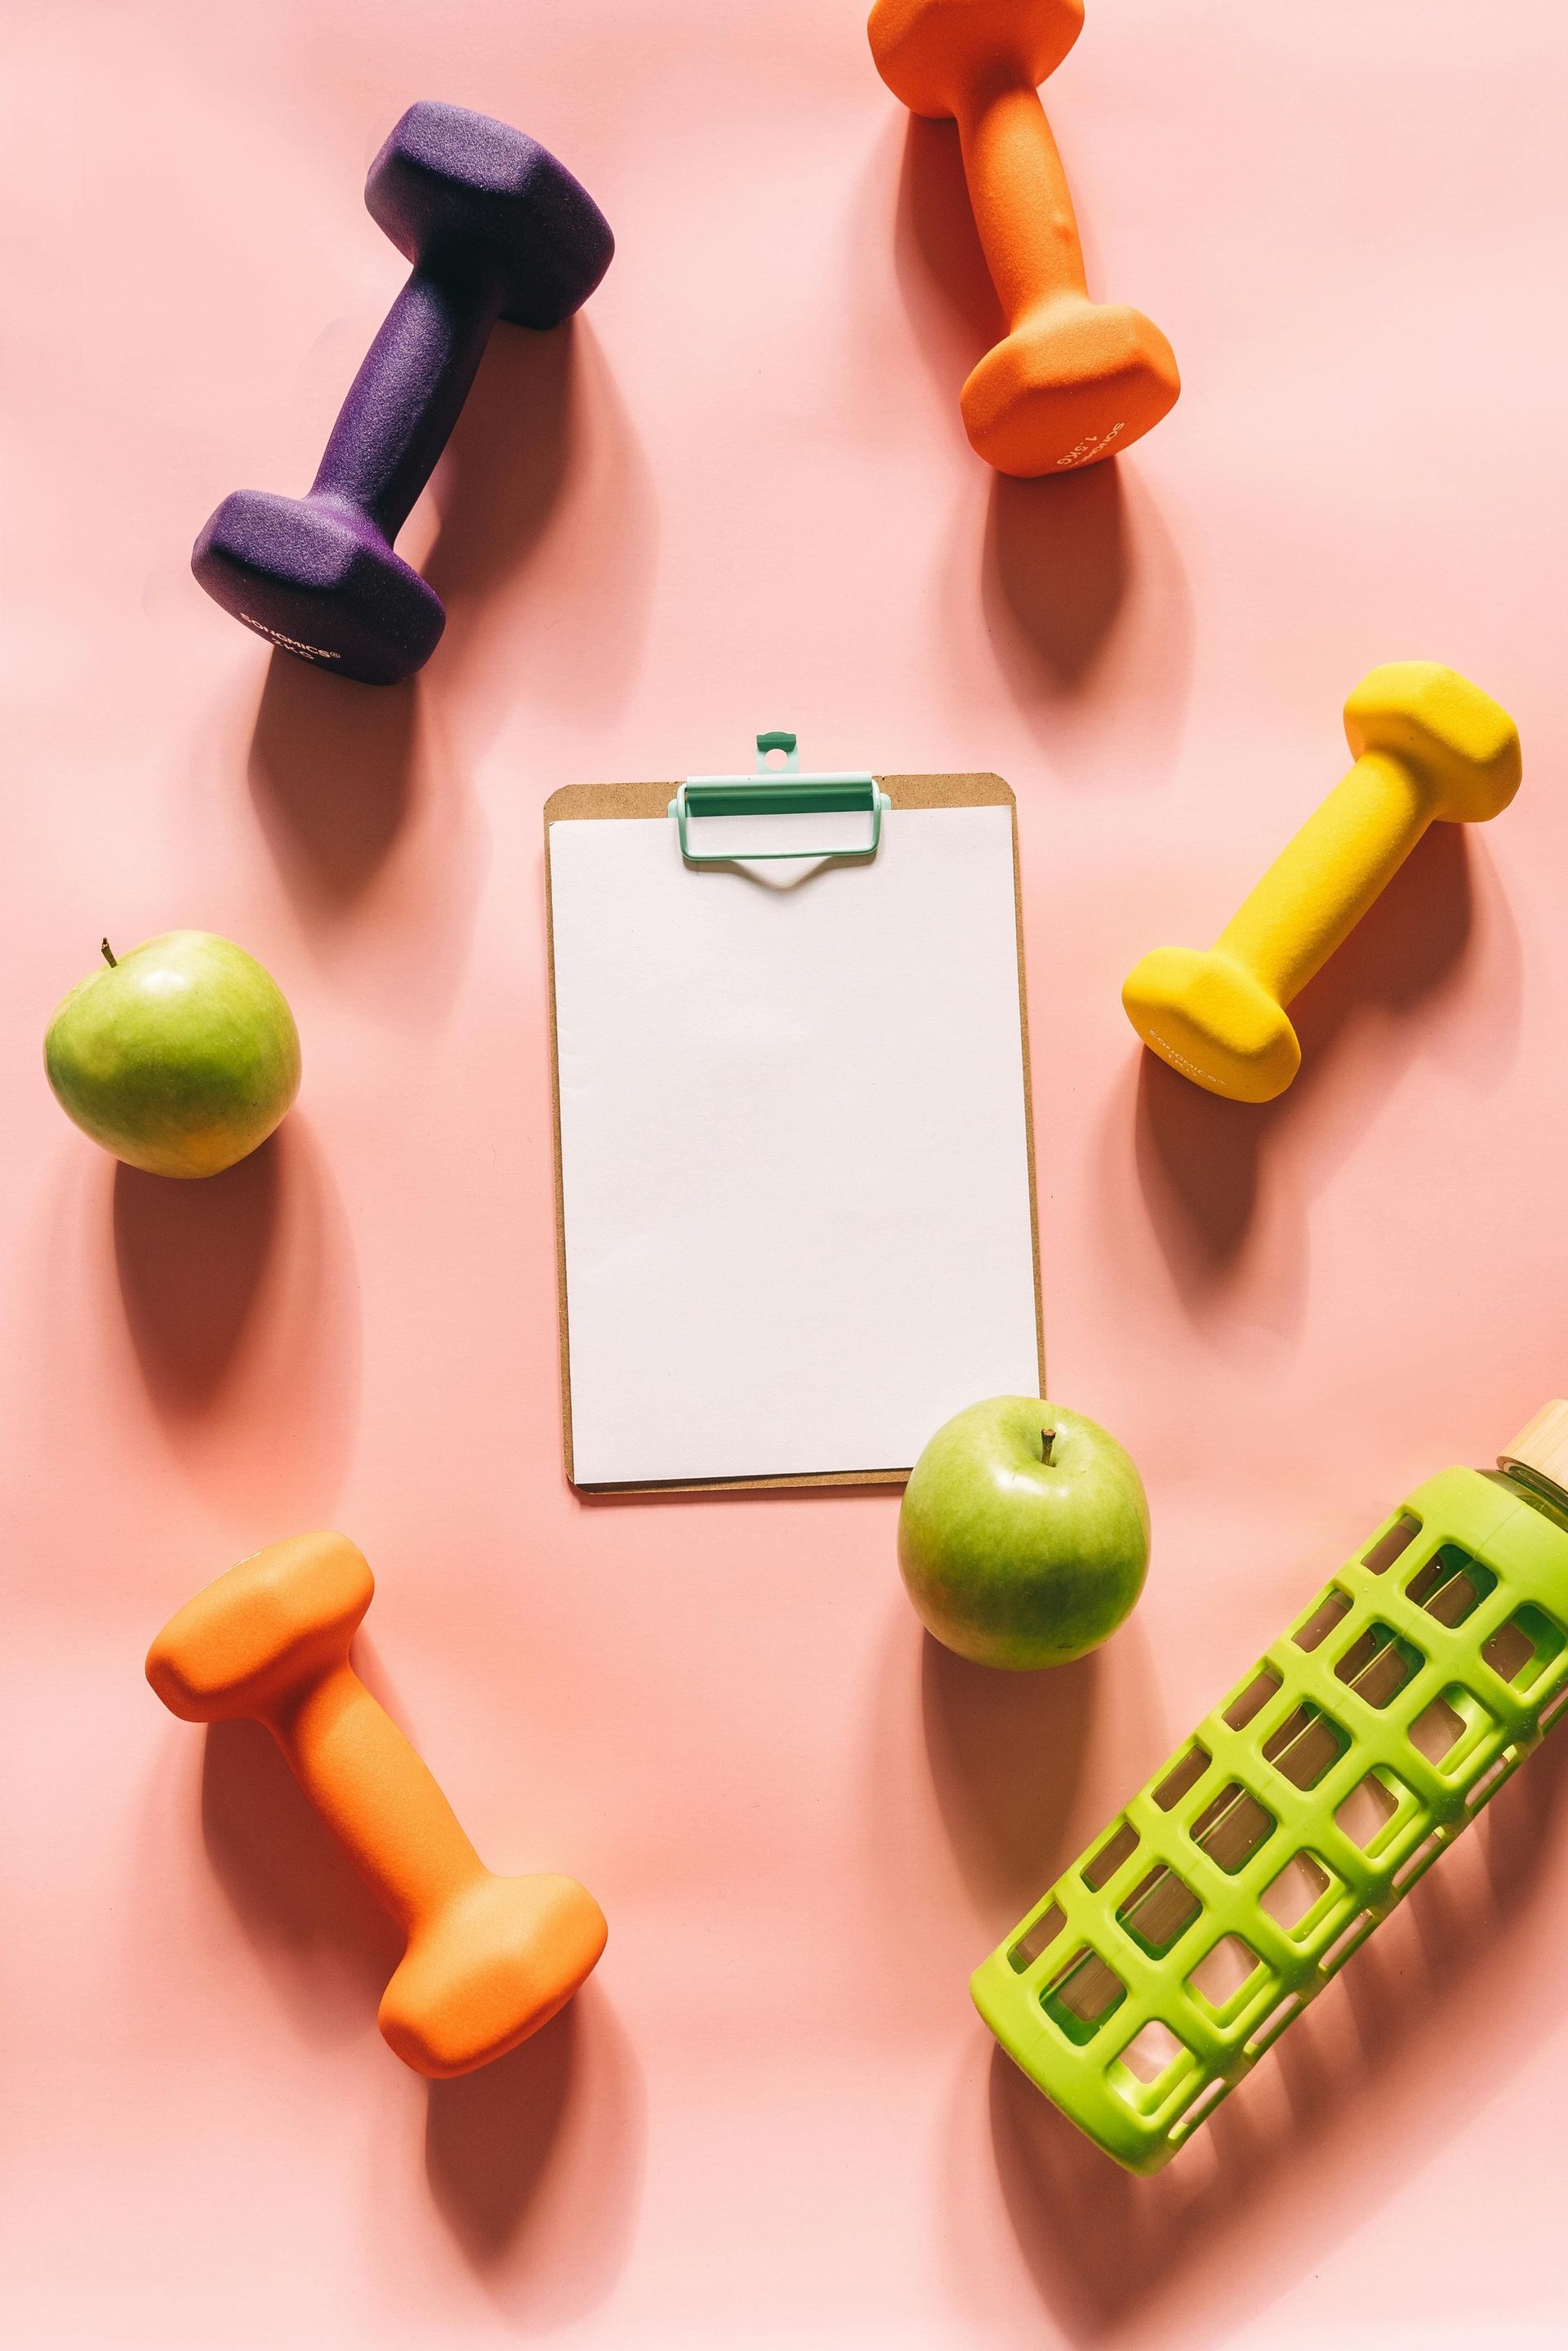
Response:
column 1156, row 1973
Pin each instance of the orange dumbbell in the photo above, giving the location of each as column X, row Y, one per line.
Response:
column 489, row 1959
column 1073, row 381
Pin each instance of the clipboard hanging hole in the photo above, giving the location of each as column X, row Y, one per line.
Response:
column 776, row 751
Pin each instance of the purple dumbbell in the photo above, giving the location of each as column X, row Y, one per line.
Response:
column 494, row 228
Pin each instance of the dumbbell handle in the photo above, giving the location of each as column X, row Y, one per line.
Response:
column 404, row 401
column 1323, row 880
column 1018, row 193
column 376, row 1793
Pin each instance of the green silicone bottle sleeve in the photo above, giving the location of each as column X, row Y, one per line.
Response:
column 1169, row 1958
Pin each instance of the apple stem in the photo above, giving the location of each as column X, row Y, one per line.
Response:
column 1047, row 1439
column 111, row 959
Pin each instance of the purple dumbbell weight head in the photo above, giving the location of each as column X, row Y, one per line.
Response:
column 496, row 228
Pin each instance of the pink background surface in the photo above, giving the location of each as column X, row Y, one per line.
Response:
column 737, row 494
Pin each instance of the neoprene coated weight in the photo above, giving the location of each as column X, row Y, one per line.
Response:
column 496, row 228
column 489, row 1959
column 1072, row 381
column 1429, row 747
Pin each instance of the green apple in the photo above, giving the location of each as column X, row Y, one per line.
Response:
column 180, row 1058
column 1024, row 1533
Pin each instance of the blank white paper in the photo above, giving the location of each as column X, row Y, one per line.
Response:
column 794, row 1150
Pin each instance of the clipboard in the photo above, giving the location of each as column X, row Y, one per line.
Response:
column 636, row 1001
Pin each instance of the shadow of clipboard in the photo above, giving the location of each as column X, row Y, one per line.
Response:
column 653, row 803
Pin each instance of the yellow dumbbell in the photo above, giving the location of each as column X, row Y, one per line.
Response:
column 1428, row 745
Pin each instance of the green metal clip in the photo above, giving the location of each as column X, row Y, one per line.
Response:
column 775, row 791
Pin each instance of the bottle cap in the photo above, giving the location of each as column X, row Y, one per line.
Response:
column 1541, row 1446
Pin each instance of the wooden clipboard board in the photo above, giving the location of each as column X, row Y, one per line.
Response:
column 577, row 802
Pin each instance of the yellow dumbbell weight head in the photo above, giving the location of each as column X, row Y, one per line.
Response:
column 1210, row 1019
column 1428, row 745
column 1463, row 742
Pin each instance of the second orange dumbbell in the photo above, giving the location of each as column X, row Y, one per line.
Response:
column 1072, row 381
column 489, row 1959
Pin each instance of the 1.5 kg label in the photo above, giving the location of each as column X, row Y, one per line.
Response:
column 1083, row 451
